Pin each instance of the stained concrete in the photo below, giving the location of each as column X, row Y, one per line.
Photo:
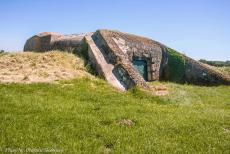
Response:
column 112, row 53
column 103, row 67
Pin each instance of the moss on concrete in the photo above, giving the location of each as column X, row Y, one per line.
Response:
column 175, row 69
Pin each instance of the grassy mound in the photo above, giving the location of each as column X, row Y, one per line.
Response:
column 30, row 67
column 89, row 116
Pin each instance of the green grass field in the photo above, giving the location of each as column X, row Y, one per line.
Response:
column 83, row 115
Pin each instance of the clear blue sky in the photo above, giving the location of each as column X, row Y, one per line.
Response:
column 198, row 28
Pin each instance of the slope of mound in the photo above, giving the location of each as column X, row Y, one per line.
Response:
column 28, row 67
column 224, row 70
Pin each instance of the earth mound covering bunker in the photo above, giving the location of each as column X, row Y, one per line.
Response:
column 30, row 67
column 127, row 60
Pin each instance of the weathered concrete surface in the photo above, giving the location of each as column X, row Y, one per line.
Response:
column 41, row 41
column 51, row 41
column 99, row 62
column 127, row 46
column 112, row 53
column 123, row 47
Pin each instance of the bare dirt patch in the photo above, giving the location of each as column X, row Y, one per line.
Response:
column 29, row 67
column 158, row 90
column 126, row 122
column 227, row 130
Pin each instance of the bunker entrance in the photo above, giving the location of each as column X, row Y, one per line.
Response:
column 141, row 65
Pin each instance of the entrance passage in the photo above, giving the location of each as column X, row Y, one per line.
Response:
column 141, row 66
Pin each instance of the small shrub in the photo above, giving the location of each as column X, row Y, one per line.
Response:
column 90, row 68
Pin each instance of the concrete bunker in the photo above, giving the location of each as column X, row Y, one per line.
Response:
column 126, row 60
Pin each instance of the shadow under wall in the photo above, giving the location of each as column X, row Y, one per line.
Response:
column 123, row 77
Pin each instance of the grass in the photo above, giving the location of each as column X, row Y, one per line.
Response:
column 83, row 116
column 27, row 67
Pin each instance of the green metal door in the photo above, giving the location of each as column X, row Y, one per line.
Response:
column 141, row 66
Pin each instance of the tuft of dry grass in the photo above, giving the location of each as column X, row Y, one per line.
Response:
column 225, row 70
column 30, row 67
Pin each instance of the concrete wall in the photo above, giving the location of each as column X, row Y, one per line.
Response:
column 50, row 41
column 151, row 53
column 123, row 47
column 124, row 70
column 127, row 46
column 33, row 44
